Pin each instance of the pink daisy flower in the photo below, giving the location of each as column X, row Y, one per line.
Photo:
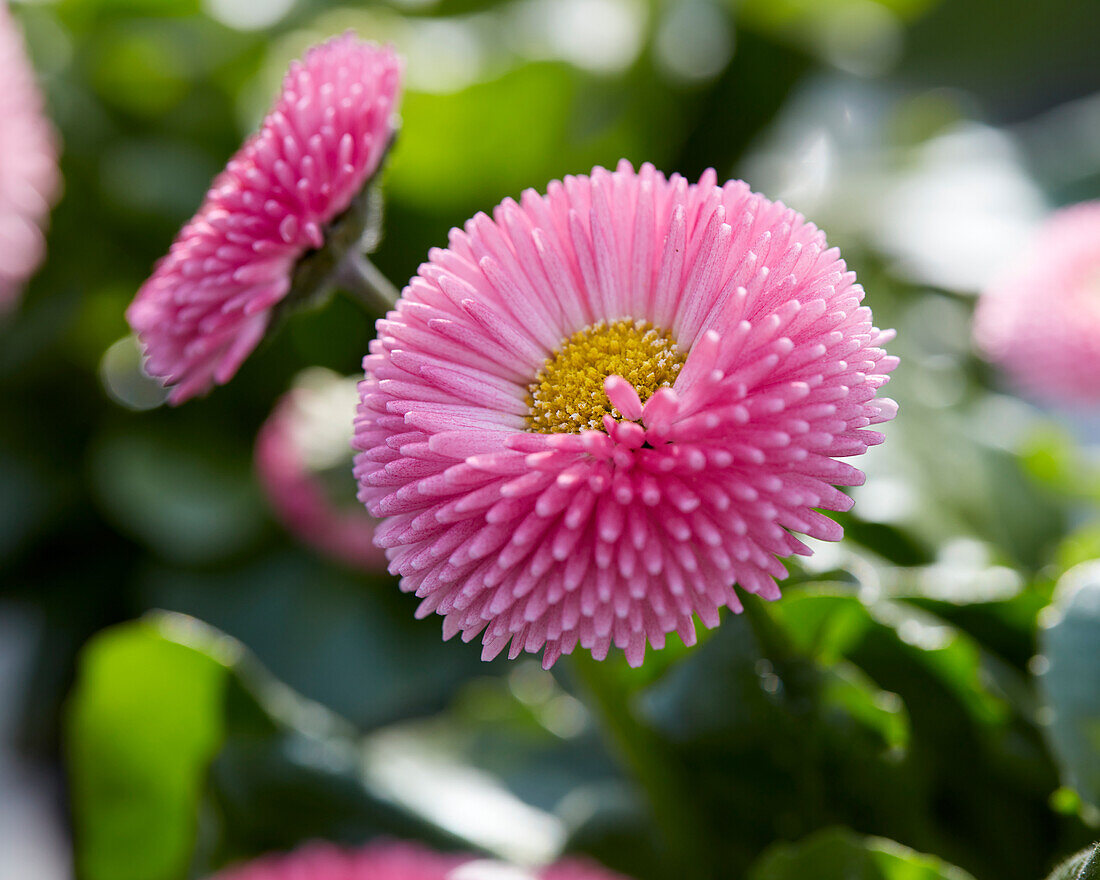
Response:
column 399, row 861
column 595, row 412
column 1041, row 321
column 28, row 165
column 305, row 438
column 209, row 302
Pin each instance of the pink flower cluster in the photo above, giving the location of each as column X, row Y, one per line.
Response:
column 28, row 165
column 1041, row 320
column 525, row 502
column 209, row 302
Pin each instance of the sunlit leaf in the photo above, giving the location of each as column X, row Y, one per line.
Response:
column 174, row 728
column 1070, row 676
column 144, row 724
column 838, row 854
column 1083, row 866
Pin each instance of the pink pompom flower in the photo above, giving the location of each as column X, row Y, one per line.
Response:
column 595, row 412
column 286, row 193
column 1040, row 321
column 400, row 861
column 28, row 165
column 305, row 438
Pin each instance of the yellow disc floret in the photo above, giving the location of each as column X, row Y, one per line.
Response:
column 567, row 396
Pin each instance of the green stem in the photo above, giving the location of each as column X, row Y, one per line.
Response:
column 360, row 277
column 641, row 753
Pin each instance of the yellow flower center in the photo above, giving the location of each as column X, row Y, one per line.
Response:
column 567, row 396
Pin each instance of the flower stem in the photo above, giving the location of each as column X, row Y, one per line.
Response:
column 641, row 753
column 361, row 278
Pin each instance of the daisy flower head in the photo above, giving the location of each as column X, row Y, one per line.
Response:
column 1040, row 322
column 294, row 190
column 28, row 165
column 598, row 410
column 303, row 443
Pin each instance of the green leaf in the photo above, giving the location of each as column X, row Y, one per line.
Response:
column 839, row 854
column 484, row 142
column 830, row 621
column 364, row 656
column 777, row 745
column 1071, row 679
column 174, row 728
column 1085, row 865
column 892, row 543
column 845, row 689
column 144, row 723
column 828, row 706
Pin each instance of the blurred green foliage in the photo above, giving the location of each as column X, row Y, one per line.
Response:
column 837, row 854
column 913, row 693
column 145, row 726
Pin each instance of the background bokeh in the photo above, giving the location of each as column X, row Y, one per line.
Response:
column 924, row 681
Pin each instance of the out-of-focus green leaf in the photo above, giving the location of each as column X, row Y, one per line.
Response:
column 84, row 12
column 824, row 620
column 890, row 542
column 1070, row 644
column 140, row 69
column 181, row 499
column 185, row 754
column 1085, row 865
column 144, row 723
column 1080, row 545
column 780, row 13
column 1030, row 55
column 363, row 655
column 811, row 694
column 488, row 140
column 838, row 854
column 749, row 708
column 847, row 690
column 494, row 139
column 831, row 624
column 1051, row 457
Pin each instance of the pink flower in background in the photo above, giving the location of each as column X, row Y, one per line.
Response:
column 28, row 165
column 1041, row 321
column 322, row 861
column 209, row 301
column 305, row 437
column 399, row 861
column 598, row 410
column 577, row 869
